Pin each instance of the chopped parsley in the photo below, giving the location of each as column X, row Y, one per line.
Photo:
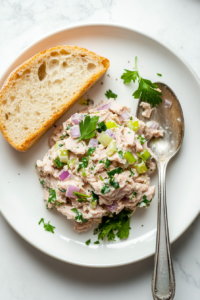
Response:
column 106, row 162
column 121, row 154
column 109, row 94
column 58, row 163
column 83, row 164
column 88, row 242
column 97, row 242
column 105, row 189
column 63, row 136
column 118, row 226
column 60, row 145
column 79, row 216
column 41, row 181
column 92, row 168
column 68, row 127
column 144, row 202
column 131, row 118
column 87, row 128
column 134, row 195
column 90, row 151
column 132, row 173
column 159, row 74
column 146, row 89
column 114, row 183
column 52, row 195
column 62, row 190
column 47, row 226
column 81, row 197
column 101, row 127
column 141, row 139
column 118, row 170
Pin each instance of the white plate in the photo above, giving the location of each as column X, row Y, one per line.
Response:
column 22, row 196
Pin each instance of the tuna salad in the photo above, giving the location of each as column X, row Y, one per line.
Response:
column 98, row 165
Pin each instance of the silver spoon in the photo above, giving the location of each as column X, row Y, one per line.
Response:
column 172, row 122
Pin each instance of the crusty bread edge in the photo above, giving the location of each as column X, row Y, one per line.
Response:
column 33, row 138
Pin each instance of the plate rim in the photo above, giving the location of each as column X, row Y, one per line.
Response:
column 112, row 25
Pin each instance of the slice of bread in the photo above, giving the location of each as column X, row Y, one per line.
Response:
column 43, row 88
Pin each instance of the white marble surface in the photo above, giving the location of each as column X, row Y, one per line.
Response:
column 26, row 273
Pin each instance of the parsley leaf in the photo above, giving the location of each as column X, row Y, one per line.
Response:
column 129, row 75
column 79, row 216
column 41, row 220
column 47, row 226
column 52, row 195
column 109, row 94
column 88, row 242
column 121, row 154
column 87, row 128
column 114, row 183
column 83, row 164
column 97, row 242
column 41, row 181
column 144, row 203
column 81, row 197
column 159, row 74
column 118, row 225
column 132, row 173
column 58, row 163
column 118, row 170
column 106, row 162
column 62, row 190
column 68, row 127
column 101, row 127
column 134, row 195
column 141, row 139
column 91, row 150
column 63, row 136
column 105, row 189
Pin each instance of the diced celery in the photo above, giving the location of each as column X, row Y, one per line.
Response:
column 145, row 155
column 129, row 157
column 104, row 139
column 56, row 146
column 133, row 125
column 84, row 174
column 93, row 203
column 112, row 148
column 63, row 156
column 141, row 168
column 111, row 124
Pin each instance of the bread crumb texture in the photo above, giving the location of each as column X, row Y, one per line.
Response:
column 43, row 88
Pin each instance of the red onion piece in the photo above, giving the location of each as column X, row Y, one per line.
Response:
column 110, row 133
column 75, row 131
column 64, row 174
column 93, row 143
column 125, row 115
column 126, row 199
column 167, row 103
column 112, row 207
column 152, row 125
column 75, row 118
column 104, row 106
column 70, row 189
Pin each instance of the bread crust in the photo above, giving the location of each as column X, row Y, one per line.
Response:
column 10, row 81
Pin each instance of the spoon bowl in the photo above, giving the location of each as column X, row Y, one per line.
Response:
column 171, row 121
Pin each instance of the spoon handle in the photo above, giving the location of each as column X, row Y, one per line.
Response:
column 163, row 280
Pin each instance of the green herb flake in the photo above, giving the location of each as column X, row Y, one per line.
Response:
column 60, row 145
column 62, row 190
column 121, row 154
column 101, row 127
column 63, row 136
column 131, row 118
column 114, row 183
column 109, row 94
column 87, row 128
column 58, row 163
column 41, row 181
column 47, row 226
column 118, row 170
column 88, row 242
column 100, row 177
column 68, row 127
column 106, row 162
column 79, row 216
column 52, row 195
column 90, row 151
column 132, row 173
column 159, row 74
column 105, row 189
column 97, row 242
column 41, row 220
column 141, row 139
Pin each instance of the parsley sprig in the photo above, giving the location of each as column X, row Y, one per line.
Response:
column 87, row 128
column 146, row 89
column 109, row 94
column 47, row 226
column 118, row 226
